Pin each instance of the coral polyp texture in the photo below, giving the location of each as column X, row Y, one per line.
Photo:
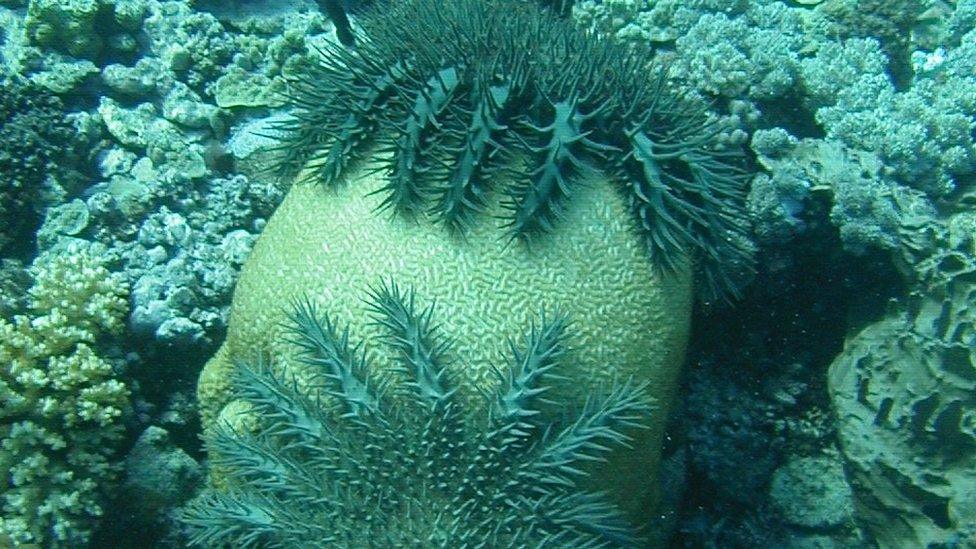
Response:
column 468, row 100
column 903, row 389
column 343, row 458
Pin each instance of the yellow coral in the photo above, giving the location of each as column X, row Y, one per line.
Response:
column 59, row 403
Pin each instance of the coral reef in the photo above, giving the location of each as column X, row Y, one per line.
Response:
column 14, row 281
column 155, row 138
column 344, row 459
column 868, row 207
column 919, row 124
column 924, row 134
column 86, row 29
column 755, row 56
column 163, row 204
column 61, row 402
column 889, row 21
column 860, row 115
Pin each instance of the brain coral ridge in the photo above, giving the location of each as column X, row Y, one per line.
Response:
column 403, row 463
column 456, row 93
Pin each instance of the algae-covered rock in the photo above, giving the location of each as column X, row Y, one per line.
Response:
column 140, row 129
column 65, row 76
column 68, row 219
column 183, row 106
column 159, row 476
column 252, row 144
column 140, row 80
column 238, row 88
column 135, row 128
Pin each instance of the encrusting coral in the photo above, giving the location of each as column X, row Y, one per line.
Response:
column 60, row 404
column 402, row 463
column 904, row 391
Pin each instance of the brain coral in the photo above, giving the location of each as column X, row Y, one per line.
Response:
column 457, row 93
column 500, row 162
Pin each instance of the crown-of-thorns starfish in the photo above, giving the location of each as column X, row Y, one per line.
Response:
column 474, row 100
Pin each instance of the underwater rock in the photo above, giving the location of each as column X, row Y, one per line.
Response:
column 135, row 128
column 238, row 88
column 67, row 219
column 192, row 44
column 82, row 28
column 159, row 476
column 811, row 492
column 159, row 479
column 65, row 25
column 65, row 77
column 141, row 80
column 252, row 143
column 183, row 106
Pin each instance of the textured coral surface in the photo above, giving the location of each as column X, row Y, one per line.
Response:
column 461, row 92
column 905, row 393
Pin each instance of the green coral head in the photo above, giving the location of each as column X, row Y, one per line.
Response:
column 458, row 92
column 406, row 465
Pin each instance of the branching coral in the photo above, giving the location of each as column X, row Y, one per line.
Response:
column 458, row 94
column 403, row 464
column 59, row 402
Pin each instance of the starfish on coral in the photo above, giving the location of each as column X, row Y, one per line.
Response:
column 401, row 463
